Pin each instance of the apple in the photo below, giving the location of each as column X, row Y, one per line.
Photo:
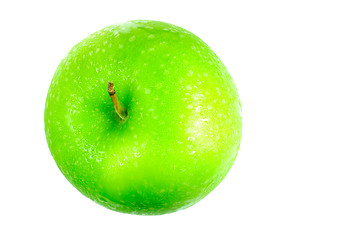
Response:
column 167, row 137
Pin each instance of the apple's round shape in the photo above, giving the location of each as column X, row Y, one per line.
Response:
column 183, row 127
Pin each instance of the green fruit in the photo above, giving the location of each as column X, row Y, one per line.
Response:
column 183, row 126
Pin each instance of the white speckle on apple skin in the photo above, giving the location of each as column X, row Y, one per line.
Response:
column 132, row 38
column 191, row 138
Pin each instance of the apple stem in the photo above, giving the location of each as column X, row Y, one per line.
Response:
column 121, row 111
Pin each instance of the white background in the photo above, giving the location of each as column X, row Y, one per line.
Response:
column 297, row 66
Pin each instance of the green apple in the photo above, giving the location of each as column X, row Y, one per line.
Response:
column 182, row 118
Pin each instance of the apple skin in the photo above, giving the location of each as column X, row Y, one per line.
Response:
column 183, row 129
